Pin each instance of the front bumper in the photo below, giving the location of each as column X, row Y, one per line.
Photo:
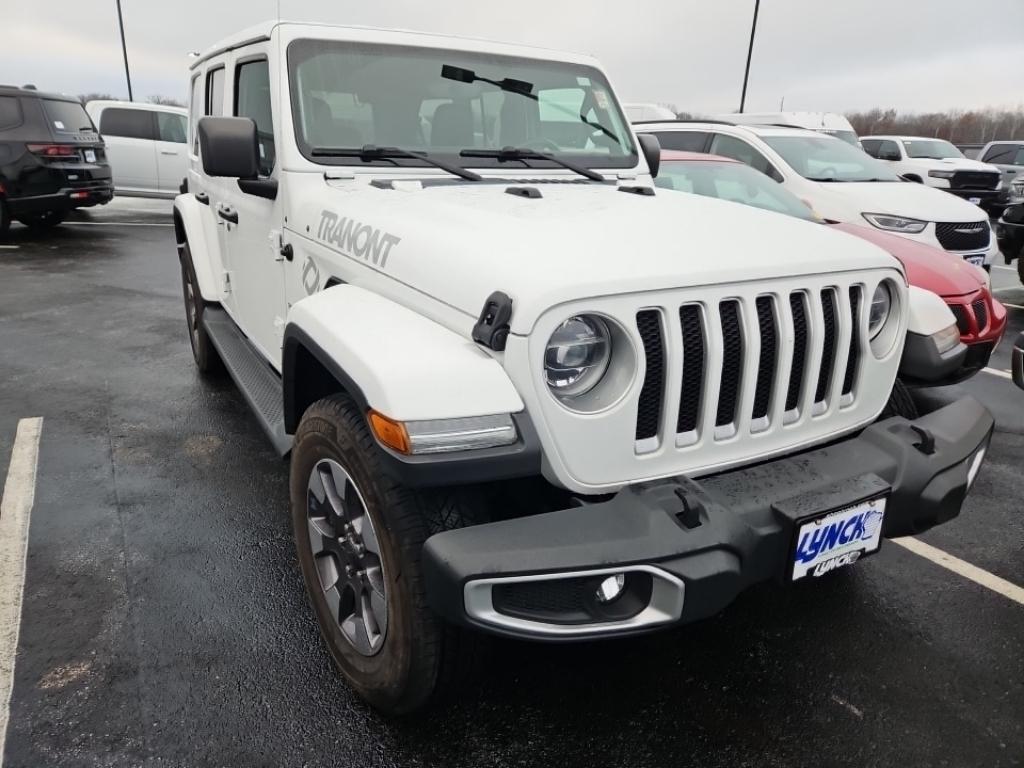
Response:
column 692, row 546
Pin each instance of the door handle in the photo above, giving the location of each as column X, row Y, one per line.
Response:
column 168, row 152
column 228, row 214
column 203, row 198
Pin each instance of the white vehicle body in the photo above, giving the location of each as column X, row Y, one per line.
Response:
column 637, row 112
column 951, row 171
column 831, row 123
column 500, row 370
column 145, row 146
column 932, row 216
column 1007, row 156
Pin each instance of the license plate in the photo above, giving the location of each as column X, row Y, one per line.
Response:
column 975, row 200
column 90, row 156
column 838, row 539
column 978, row 261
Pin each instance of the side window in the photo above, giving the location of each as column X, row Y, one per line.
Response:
column 737, row 149
column 195, row 108
column 1019, row 160
column 686, row 141
column 871, row 146
column 127, row 123
column 215, row 92
column 1000, row 153
column 170, row 126
column 889, row 150
column 10, row 112
column 252, row 99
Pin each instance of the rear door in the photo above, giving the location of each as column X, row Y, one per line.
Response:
column 171, row 151
column 130, row 136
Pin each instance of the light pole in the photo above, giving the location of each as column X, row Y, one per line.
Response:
column 124, row 51
column 750, row 51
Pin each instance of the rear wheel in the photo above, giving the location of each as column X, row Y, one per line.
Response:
column 360, row 538
column 5, row 219
column 203, row 351
column 44, row 220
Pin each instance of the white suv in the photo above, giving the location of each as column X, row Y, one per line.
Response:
column 938, row 164
column 525, row 393
column 842, row 183
column 145, row 146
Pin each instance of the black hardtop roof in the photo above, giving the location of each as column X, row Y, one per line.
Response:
column 14, row 90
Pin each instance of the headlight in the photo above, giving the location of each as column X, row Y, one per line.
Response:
column 941, row 174
column 577, row 355
column 881, row 306
column 895, row 223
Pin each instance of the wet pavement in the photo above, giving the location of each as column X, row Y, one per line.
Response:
column 164, row 621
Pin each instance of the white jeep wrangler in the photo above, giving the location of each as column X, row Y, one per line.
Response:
column 523, row 392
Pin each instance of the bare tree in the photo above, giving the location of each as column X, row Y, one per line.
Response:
column 165, row 101
column 956, row 125
column 85, row 98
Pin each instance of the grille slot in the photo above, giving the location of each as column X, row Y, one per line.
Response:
column 692, row 324
column 960, row 313
column 800, row 330
column 980, row 314
column 969, row 236
column 648, row 417
column 766, row 365
column 732, row 362
column 853, row 357
column 828, row 352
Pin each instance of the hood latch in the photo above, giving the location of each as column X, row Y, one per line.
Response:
column 492, row 328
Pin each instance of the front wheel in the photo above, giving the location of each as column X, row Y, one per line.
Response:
column 43, row 221
column 203, row 351
column 5, row 218
column 360, row 537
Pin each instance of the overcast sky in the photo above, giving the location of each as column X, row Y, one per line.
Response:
column 831, row 55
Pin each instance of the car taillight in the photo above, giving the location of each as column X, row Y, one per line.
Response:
column 53, row 150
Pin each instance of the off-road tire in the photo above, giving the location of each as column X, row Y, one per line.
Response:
column 422, row 656
column 43, row 221
column 203, row 352
column 900, row 403
column 5, row 219
column 1020, row 264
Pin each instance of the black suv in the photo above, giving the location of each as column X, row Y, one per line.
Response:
column 51, row 158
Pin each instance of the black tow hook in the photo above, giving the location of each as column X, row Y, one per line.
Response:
column 926, row 444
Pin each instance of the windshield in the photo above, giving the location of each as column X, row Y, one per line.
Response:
column 933, row 149
column 735, row 182
column 67, row 116
column 823, row 158
column 347, row 95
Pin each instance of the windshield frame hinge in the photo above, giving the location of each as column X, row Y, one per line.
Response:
column 492, row 327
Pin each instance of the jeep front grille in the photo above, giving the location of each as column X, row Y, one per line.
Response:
column 824, row 325
column 968, row 236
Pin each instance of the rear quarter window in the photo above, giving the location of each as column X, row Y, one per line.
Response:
column 66, row 116
column 10, row 112
column 127, row 123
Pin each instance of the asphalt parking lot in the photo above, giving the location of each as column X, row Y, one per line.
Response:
column 164, row 621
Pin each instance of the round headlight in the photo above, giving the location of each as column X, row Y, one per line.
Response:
column 577, row 355
column 881, row 306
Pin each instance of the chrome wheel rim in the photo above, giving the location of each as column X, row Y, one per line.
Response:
column 346, row 556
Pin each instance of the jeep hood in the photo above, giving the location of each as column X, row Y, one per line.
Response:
column 846, row 201
column 458, row 242
column 926, row 266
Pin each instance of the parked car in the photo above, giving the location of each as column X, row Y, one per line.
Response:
column 843, row 184
column 51, row 158
column 980, row 318
column 604, row 425
column 145, row 145
column 1007, row 156
column 1010, row 234
column 939, row 164
column 829, row 123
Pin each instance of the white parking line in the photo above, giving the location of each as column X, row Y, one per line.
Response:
column 1004, row 289
column 997, row 372
column 962, row 568
column 15, row 507
column 1008, row 269
column 1012, row 306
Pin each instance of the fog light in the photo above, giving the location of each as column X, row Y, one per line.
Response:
column 972, row 468
column 611, row 588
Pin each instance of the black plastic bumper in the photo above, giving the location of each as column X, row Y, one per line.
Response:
column 64, row 200
column 734, row 530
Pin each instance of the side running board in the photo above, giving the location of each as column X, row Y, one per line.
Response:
column 258, row 382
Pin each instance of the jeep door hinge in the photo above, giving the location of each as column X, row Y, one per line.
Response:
column 492, row 328
column 227, row 282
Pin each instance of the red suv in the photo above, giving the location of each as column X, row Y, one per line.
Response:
column 980, row 318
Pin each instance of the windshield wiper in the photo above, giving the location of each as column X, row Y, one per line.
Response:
column 370, row 152
column 509, row 154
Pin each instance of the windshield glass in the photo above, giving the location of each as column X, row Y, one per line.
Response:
column 735, row 182
column 348, row 95
column 934, row 149
column 823, row 158
column 67, row 116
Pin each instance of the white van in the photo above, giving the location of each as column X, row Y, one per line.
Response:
column 831, row 123
column 145, row 146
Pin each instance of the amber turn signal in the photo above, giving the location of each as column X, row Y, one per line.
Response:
column 389, row 432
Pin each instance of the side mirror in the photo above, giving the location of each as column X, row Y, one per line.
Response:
column 228, row 147
column 911, row 178
column 651, row 148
